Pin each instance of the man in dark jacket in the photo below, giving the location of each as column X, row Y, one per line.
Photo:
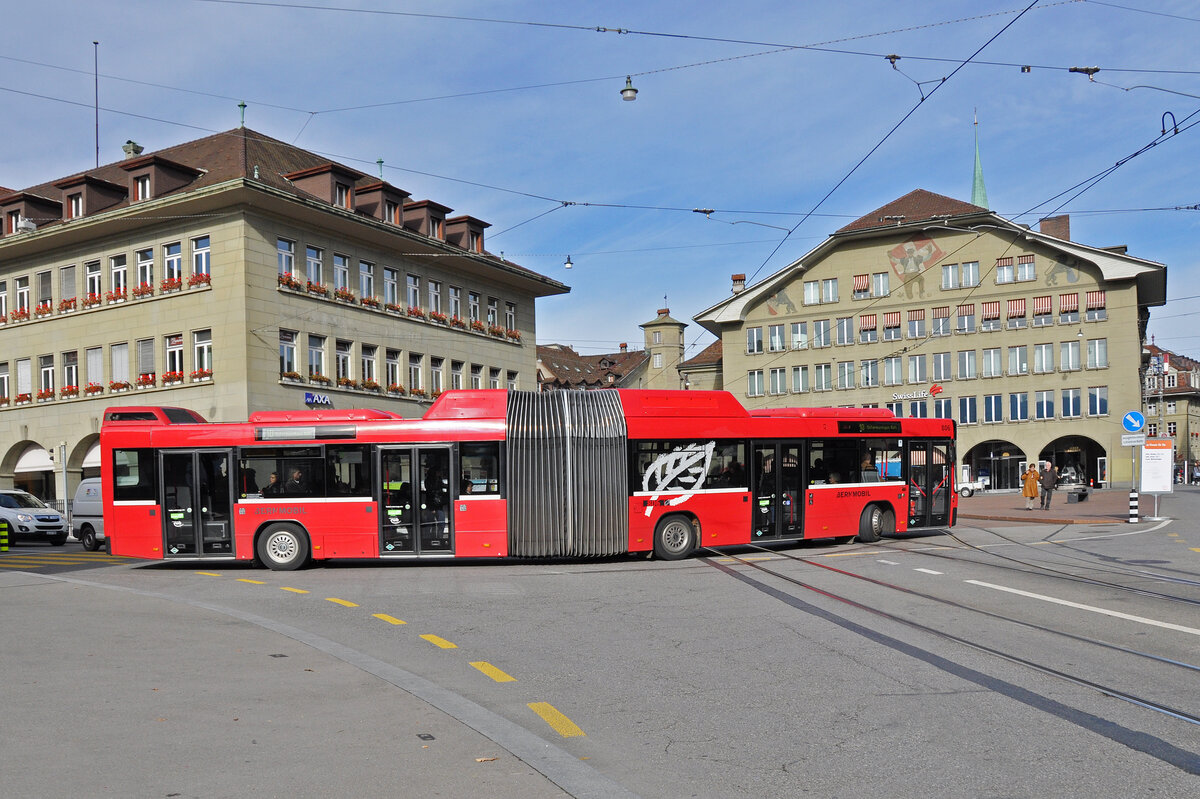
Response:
column 1047, row 480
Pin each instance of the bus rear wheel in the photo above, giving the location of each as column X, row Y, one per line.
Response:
column 876, row 521
column 282, row 547
column 674, row 538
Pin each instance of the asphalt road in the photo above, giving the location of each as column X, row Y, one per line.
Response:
column 1012, row 661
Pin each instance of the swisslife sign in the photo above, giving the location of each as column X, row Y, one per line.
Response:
column 932, row 391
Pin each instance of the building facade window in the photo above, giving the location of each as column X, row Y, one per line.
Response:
column 493, row 377
column 118, row 280
column 800, row 382
column 778, row 380
column 775, row 341
column 92, row 287
column 366, row 363
column 341, row 359
column 434, row 292
column 1042, row 316
column 1043, row 358
column 966, row 365
column 916, row 324
column 366, row 279
column 966, row 318
column 869, row 372
column 1098, row 401
column 970, row 274
column 473, row 306
column 993, row 408
column 476, row 376
column 754, row 383
column 823, row 377
column 821, row 336
column 1018, row 407
column 314, row 258
column 510, row 320
column 341, row 272
column 968, row 412
column 141, row 188
column 415, row 363
column 845, row 376
column 754, row 340
column 941, row 365
column 455, row 309
column 391, row 286
column 1068, row 309
column 1005, row 271
column 145, row 267
column 918, row 409
column 285, row 255
column 70, row 369
column 1018, row 360
column 436, row 375
column 391, row 366
column 1043, row 405
column 879, row 284
column 799, row 335
column 868, row 330
column 202, row 350
column 1070, row 403
column 1097, row 353
column 173, row 262
column 916, row 369
column 949, row 276
column 892, row 374
column 201, row 256
column 456, row 374
column 173, row 355
column 897, row 409
column 845, row 330
column 991, row 363
column 1025, row 268
column 316, row 356
column 1068, row 354
column 943, row 408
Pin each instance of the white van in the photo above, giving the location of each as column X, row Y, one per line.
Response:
column 87, row 514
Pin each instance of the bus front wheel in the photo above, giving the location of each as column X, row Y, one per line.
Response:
column 283, row 548
column 876, row 521
column 674, row 538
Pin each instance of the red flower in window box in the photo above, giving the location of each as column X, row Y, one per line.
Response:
column 438, row 316
column 91, row 299
column 457, row 322
column 201, row 374
column 44, row 309
column 146, row 381
column 345, row 295
column 496, row 331
column 170, row 284
column 66, row 305
column 477, row 326
column 45, row 394
column 200, row 279
column 417, row 392
column 319, row 379
column 143, row 290
column 347, row 382
column 21, row 399
column 119, row 385
column 316, row 288
column 513, row 334
column 395, row 388
column 370, row 385
column 417, row 313
column 116, row 295
column 68, row 391
column 93, row 388
column 172, row 377
column 370, row 302
column 19, row 315
column 288, row 281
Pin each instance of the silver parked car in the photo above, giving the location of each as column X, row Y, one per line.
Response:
column 31, row 519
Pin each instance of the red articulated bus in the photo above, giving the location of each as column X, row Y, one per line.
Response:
column 499, row 473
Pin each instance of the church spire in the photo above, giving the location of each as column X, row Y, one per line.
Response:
column 978, row 191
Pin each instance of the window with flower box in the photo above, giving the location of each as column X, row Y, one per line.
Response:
column 492, row 318
column 201, row 256
column 285, row 256
column 173, row 262
column 119, row 364
column 367, row 364
column 46, row 374
column 66, row 282
column 173, row 356
column 366, row 279
column 510, row 317
column 146, row 370
column 118, row 279
column 414, row 291
column 4, row 392
column 341, row 272
column 94, row 358
column 91, row 280
column 202, row 360
column 22, row 299
column 3, row 302
column 391, row 365
column 415, row 363
column 341, row 359
column 70, row 369
column 287, row 352
column 316, row 356
column 455, row 296
column 433, row 290
column 391, row 287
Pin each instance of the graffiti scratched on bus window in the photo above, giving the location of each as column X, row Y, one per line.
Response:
column 682, row 470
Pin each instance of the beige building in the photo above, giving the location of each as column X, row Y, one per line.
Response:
column 233, row 274
column 931, row 306
column 1172, row 406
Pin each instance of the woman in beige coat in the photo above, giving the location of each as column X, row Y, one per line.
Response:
column 1029, row 485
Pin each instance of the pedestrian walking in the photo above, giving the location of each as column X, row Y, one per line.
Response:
column 1047, row 480
column 1029, row 485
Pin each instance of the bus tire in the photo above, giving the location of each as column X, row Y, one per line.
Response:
column 674, row 537
column 282, row 547
column 87, row 538
column 876, row 521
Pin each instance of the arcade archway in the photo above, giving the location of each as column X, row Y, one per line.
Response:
column 997, row 462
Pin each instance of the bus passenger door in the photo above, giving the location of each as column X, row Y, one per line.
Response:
column 415, row 500
column 929, row 465
column 778, row 491
column 196, row 492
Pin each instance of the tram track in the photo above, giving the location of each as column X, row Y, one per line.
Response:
column 1035, row 568
column 1188, row 761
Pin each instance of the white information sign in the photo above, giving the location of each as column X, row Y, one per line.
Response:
column 1133, row 439
column 1158, row 457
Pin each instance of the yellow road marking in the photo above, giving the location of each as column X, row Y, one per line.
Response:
column 248, row 580
column 345, row 602
column 439, row 642
column 493, row 672
column 208, row 574
column 557, row 721
column 389, row 619
column 293, row 590
column 1195, row 549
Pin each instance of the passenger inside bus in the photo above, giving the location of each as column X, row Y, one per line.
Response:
column 296, row 483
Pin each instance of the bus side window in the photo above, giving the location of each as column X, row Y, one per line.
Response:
column 136, row 474
column 479, row 468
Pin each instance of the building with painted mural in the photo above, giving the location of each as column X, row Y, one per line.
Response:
column 931, row 306
column 232, row 274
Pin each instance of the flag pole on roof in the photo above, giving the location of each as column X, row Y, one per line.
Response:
column 978, row 191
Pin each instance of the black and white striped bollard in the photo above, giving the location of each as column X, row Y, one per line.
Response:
column 1133, row 507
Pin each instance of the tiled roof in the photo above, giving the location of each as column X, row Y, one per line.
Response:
column 572, row 370
column 709, row 356
column 918, row 205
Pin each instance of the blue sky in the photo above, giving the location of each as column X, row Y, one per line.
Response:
column 511, row 112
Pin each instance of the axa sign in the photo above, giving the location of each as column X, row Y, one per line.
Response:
column 317, row 399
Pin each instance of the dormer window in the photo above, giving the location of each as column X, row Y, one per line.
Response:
column 141, row 188
column 435, row 228
column 391, row 212
column 342, row 196
column 75, row 205
column 11, row 220
column 476, row 239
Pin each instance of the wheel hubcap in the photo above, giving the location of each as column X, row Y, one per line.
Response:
column 282, row 547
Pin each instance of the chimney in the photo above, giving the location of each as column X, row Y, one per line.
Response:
column 132, row 149
column 664, row 311
column 739, row 283
column 1057, row 226
column 624, row 347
